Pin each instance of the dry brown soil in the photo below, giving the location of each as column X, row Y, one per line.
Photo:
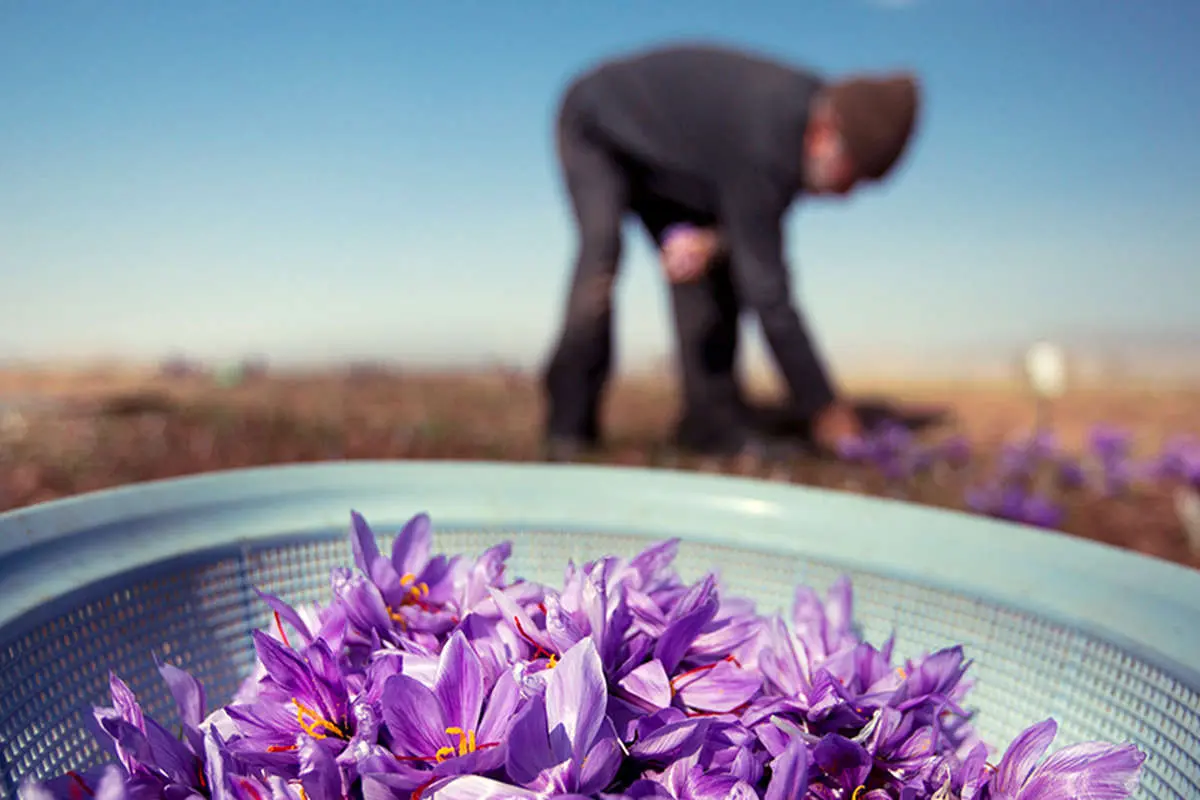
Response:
column 67, row 432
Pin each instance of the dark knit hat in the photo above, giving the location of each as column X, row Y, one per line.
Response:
column 876, row 118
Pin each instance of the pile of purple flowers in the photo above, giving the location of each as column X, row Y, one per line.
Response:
column 435, row 677
column 1031, row 478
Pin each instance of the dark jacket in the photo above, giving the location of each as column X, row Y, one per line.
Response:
column 720, row 133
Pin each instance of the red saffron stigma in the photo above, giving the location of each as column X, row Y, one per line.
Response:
column 420, row 790
column 282, row 634
column 735, row 711
column 79, row 784
column 433, row 759
column 539, row 651
column 249, row 787
column 698, row 670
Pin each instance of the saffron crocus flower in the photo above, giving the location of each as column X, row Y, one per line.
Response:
column 824, row 628
column 155, row 761
column 563, row 742
column 457, row 726
column 1090, row 770
column 415, row 586
column 302, row 694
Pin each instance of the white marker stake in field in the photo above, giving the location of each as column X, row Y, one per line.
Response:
column 1046, row 371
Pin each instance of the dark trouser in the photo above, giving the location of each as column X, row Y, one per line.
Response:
column 578, row 370
column 706, row 311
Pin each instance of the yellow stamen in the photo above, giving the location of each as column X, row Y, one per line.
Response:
column 466, row 744
column 312, row 723
column 900, row 671
column 553, row 662
column 857, row 792
column 416, row 592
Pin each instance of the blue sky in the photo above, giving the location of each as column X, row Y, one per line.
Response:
column 316, row 180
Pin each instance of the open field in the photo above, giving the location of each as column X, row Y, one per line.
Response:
column 68, row 432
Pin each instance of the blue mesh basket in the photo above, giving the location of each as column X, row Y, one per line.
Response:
column 1105, row 641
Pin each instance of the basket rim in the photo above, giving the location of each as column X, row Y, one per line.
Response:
column 1143, row 604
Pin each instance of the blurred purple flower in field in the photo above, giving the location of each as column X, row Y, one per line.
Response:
column 1179, row 461
column 1015, row 504
column 1110, row 443
column 1071, row 474
column 955, row 451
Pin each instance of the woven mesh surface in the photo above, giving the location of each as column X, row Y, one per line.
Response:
column 198, row 615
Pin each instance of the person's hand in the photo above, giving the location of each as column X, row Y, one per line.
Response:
column 687, row 253
column 835, row 426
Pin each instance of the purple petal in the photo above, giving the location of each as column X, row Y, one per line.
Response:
column 1021, row 757
column 680, row 634
column 649, row 684
column 711, row 786
column 284, row 665
column 845, row 761
column 515, row 615
column 132, row 746
column 413, row 716
column 529, row 751
column 215, row 764
column 459, row 683
column 789, row 772
column 125, row 702
column 362, row 601
column 502, row 706
column 363, row 543
column 562, row 627
column 171, row 756
column 474, row 787
column 280, row 790
column 839, row 607
column 721, row 689
column 672, row 742
column 576, row 697
column 319, row 773
column 642, row 790
column 599, row 767
column 646, row 613
column 287, row 614
column 410, row 550
column 187, row 692
column 1094, row 770
column 595, row 605
column 654, row 563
